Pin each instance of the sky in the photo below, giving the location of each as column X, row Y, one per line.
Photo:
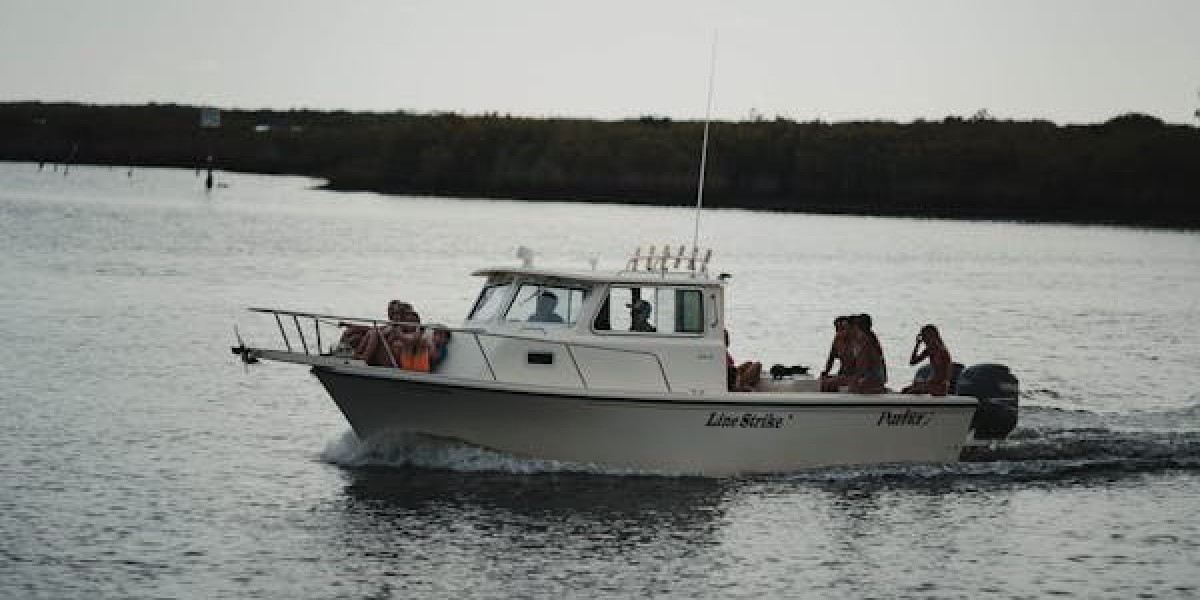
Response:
column 1067, row 61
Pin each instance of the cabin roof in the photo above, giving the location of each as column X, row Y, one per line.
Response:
column 648, row 278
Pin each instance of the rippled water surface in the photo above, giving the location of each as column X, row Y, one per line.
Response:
column 142, row 460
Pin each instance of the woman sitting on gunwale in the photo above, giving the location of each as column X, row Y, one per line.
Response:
column 935, row 350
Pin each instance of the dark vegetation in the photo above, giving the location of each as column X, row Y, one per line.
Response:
column 1131, row 170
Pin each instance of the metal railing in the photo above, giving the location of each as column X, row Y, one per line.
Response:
column 300, row 321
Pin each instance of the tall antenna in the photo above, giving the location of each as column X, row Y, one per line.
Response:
column 712, row 72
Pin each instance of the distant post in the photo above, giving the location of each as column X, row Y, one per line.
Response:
column 210, row 118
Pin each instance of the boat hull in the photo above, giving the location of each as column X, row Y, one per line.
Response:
column 661, row 433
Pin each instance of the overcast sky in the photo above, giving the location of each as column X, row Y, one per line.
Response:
column 1069, row 61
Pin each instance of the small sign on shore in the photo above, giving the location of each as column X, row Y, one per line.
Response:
column 210, row 117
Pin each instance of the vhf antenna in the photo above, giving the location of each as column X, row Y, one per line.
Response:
column 712, row 70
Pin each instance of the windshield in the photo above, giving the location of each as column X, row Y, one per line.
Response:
column 490, row 300
column 541, row 303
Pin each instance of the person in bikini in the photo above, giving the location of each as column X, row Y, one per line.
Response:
column 935, row 350
column 840, row 351
column 871, row 368
column 851, row 349
column 439, row 341
column 864, row 323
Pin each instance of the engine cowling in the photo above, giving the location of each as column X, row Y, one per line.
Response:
column 925, row 371
column 998, row 391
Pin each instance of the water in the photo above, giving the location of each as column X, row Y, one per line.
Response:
column 141, row 460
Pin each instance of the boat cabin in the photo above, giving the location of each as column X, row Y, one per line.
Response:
column 640, row 329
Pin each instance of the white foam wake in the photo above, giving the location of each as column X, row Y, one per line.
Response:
column 406, row 449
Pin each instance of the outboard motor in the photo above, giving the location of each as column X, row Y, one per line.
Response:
column 996, row 389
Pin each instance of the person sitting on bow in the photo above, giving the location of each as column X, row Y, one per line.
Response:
column 403, row 322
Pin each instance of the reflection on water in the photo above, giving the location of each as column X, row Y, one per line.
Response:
column 562, row 503
column 445, row 532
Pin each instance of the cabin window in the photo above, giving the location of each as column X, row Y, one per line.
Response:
column 490, row 300
column 647, row 309
column 689, row 311
column 546, row 304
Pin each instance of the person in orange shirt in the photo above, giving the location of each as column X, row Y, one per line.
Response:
column 403, row 323
column 420, row 352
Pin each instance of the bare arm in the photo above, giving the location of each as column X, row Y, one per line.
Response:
column 915, row 358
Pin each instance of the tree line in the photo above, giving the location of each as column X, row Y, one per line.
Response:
column 1132, row 169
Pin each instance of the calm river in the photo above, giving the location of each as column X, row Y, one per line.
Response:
column 141, row 460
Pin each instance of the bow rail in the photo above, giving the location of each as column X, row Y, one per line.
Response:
column 300, row 322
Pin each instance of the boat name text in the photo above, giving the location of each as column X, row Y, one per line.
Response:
column 908, row 418
column 748, row 420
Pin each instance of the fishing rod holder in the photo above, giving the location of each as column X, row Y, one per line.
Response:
column 678, row 261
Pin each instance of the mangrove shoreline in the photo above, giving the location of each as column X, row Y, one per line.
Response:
column 1131, row 170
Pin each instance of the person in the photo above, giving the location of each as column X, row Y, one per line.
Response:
column 439, row 345
column 839, row 350
column 731, row 372
column 640, row 315
column 864, row 323
column 421, row 351
column 354, row 335
column 743, row 377
column 413, row 352
column 403, row 323
column 748, row 374
column 867, row 373
column 544, row 312
column 847, row 344
column 935, row 350
column 870, row 372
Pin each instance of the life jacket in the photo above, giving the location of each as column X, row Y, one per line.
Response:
column 415, row 359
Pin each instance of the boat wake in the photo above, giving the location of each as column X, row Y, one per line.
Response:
column 1054, row 445
column 1138, row 441
column 404, row 450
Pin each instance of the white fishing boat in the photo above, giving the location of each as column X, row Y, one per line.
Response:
column 596, row 379
column 628, row 369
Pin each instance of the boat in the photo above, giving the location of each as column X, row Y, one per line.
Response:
column 596, row 379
